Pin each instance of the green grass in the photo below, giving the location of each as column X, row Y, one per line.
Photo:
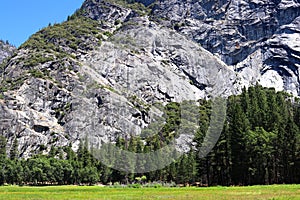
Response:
column 95, row 192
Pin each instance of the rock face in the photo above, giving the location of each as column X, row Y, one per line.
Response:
column 109, row 91
column 101, row 79
column 6, row 50
column 259, row 39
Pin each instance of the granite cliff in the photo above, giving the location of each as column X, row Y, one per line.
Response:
column 98, row 75
column 259, row 39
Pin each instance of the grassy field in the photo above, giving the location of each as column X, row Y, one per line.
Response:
column 95, row 192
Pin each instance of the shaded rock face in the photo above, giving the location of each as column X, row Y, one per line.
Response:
column 276, row 63
column 6, row 50
column 235, row 30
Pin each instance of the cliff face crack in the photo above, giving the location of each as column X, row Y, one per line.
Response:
column 194, row 81
column 40, row 128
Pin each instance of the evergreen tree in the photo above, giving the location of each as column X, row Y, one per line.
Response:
column 2, row 147
column 238, row 126
column 14, row 153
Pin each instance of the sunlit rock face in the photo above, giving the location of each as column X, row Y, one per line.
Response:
column 251, row 36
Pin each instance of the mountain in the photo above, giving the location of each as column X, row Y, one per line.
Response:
column 100, row 74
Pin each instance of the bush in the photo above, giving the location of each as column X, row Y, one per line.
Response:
column 36, row 73
column 153, row 185
column 136, row 185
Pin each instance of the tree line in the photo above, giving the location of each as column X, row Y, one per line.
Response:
column 259, row 144
column 260, row 141
column 62, row 166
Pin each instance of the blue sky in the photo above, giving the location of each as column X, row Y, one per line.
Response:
column 21, row 18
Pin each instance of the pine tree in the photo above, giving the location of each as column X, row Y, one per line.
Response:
column 2, row 147
column 53, row 151
column 14, row 153
column 238, row 126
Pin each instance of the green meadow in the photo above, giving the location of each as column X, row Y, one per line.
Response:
column 96, row 192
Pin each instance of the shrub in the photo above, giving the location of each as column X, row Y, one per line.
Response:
column 136, row 185
column 36, row 73
column 73, row 33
